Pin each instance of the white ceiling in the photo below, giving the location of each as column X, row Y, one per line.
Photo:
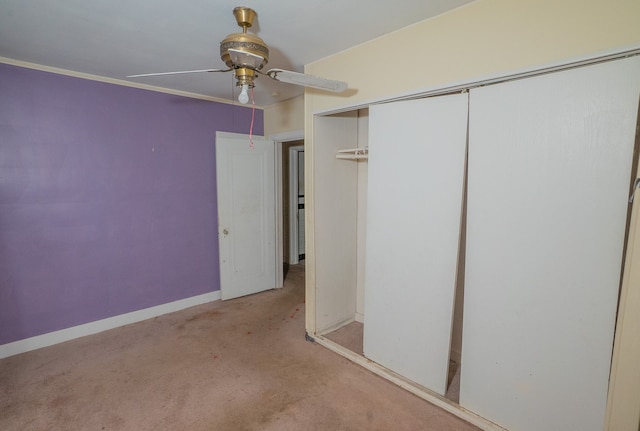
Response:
column 116, row 38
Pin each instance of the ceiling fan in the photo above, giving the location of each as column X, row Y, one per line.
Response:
column 245, row 55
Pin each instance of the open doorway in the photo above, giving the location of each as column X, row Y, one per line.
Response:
column 292, row 203
column 296, row 204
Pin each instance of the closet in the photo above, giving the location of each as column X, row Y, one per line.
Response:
column 513, row 194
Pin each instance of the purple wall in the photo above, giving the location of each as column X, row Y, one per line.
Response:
column 107, row 199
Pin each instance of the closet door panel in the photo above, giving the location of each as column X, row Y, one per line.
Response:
column 548, row 180
column 415, row 185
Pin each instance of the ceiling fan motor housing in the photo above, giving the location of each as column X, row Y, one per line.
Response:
column 245, row 42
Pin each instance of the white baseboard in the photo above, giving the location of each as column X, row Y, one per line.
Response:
column 90, row 328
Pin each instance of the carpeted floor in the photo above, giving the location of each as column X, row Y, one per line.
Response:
column 237, row 365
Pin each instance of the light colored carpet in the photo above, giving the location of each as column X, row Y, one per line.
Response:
column 237, row 365
column 351, row 337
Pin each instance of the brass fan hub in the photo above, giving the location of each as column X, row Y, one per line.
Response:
column 245, row 76
column 244, row 42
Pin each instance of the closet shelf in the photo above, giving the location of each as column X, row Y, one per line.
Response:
column 353, row 154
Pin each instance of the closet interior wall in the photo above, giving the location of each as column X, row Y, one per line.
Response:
column 336, row 222
column 340, row 227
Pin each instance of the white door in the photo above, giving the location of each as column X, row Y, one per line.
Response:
column 246, row 214
column 549, row 170
column 415, row 188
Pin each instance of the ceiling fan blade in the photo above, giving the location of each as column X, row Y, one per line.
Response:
column 307, row 80
column 178, row 73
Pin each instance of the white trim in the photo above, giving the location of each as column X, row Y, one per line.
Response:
column 279, row 217
column 91, row 328
column 623, row 411
column 279, row 138
column 294, row 252
column 288, row 136
column 495, row 78
column 115, row 81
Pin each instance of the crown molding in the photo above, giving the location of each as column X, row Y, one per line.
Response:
column 81, row 75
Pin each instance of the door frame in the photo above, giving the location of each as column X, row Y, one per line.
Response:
column 279, row 139
column 294, row 192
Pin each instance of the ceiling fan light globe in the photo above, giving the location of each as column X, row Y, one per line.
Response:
column 243, row 97
column 246, row 59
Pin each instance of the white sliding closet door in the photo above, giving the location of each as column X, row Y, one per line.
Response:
column 416, row 175
column 549, row 171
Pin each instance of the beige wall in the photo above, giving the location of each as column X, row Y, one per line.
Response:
column 484, row 38
column 479, row 39
column 283, row 117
